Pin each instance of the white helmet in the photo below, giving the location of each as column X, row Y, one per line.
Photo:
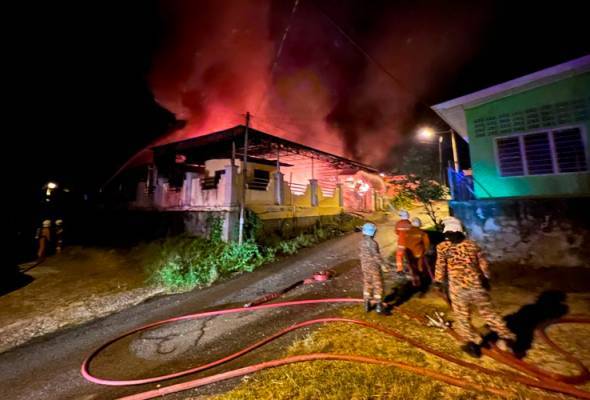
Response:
column 46, row 223
column 59, row 222
column 403, row 214
column 416, row 222
column 452, row 224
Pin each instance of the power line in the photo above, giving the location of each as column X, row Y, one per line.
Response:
column 278, row 55
column 370, row 57
column 267, row 122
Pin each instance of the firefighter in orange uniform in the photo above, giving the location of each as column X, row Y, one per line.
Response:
column 417, row 244
column 44, row 238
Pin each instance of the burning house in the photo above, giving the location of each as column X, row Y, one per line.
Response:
column 214, row 174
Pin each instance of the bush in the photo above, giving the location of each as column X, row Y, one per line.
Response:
column 316, row 235
column 186, row 262
column 423, row 191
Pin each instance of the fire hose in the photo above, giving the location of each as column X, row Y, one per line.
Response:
column 319, row 276
column 537, row 378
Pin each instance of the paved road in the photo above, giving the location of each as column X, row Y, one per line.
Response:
column 48, row 368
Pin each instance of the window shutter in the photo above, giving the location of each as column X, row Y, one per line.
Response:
column 569, row 148
column 538, row 153
column 510, row 157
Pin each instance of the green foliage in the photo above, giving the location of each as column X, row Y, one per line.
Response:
column 403, row 200
column 252, row 225
column 424, row 191
column 316, row 235
column 186, row 262
column 215, row 223
column 420, row 159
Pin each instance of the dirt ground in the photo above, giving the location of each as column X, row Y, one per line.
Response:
column 70, row 289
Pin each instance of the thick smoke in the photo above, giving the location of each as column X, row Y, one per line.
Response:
column 216, row 58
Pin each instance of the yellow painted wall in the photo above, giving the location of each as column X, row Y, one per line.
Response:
column 280, row 212
column 329, row 201
column 216, row 165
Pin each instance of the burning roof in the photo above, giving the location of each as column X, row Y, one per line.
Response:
column 261, row 145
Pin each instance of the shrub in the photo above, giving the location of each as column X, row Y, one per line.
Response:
column 186, row 262
column 423, row 191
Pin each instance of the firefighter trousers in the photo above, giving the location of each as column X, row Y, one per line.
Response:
column 462, row 299
column 372, row 282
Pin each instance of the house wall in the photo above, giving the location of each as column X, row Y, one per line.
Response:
column 225, row 198
column 562, row 103
column 535, row 232
column 218, row 165
column 298, row 206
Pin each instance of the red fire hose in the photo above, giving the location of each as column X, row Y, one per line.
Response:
column 537, row 378
column 319, row 276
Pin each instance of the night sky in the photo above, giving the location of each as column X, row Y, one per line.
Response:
column 83, row 75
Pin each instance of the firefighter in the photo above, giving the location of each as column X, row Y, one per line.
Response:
column 43, row 237
column 460, row 262
column 373, row 266
column 401, row 229
column 59, row 235
column 417, row 244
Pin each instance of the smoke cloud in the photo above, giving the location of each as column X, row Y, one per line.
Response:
column 216, row 56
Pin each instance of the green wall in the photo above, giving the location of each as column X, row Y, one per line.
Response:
column 562, row 103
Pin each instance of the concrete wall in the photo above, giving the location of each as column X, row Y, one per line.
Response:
column 224, row 200
column 298, row 206
column 564, row 103
column 533, row 232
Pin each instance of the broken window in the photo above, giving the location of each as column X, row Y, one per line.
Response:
column 260, row 180
column 211, row 182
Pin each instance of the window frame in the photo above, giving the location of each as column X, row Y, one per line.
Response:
column 552, row 149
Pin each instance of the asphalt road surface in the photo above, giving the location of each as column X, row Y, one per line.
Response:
column 49, row 367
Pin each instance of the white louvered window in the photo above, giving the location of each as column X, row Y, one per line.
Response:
column 541, row 153
column 537, row 148
column 509, row 156
column 569, row 148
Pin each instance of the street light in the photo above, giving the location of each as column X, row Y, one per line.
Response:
column 427, row 133
column 49, row 187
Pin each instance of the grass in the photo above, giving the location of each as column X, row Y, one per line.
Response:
column 184, row 262
column 342, row 380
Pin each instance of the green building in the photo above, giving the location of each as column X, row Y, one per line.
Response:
column 528, row 137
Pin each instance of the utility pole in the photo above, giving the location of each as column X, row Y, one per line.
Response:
column 244, row 181
column 455, row 154
column 440, row 163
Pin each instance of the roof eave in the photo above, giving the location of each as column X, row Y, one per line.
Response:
column 453, row 111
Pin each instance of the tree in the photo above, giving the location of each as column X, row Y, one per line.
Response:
column 420, row 160
column 424, row 191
